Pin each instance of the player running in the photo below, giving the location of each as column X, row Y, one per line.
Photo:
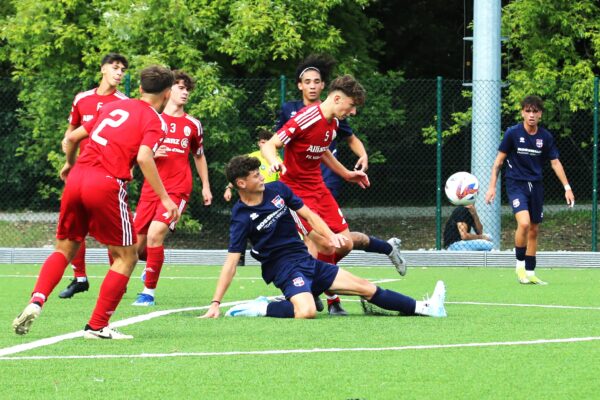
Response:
column 185, row 135
column 94, row 200
column 85, row 109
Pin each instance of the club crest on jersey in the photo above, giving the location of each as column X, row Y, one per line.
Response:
column 539, row 143
column 278, row 202
column 298, row 282
column 187, row 131
column 184, row 143
column 516, row 203
column 521, row 140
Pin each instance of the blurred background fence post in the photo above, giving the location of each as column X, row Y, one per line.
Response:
column 595, row 172
column 439, row 182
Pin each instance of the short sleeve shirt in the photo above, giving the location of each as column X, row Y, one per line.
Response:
column 117, row 134
column 451, row 233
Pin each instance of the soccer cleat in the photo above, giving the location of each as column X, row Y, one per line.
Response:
column 521, row 275
column 144, row 300
column 318, row 303
column 104, row 333
column 23, row 322
column 74, row 287
column 395, row 257
column 255, row 308
column 435, row 304
column 335, row 309
column 535, row 280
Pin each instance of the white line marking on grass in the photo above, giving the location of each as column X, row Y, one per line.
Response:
column 124, row 322
column 304, row 351
column 476, row 303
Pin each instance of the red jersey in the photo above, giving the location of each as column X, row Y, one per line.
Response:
column 184, row 135
column 85, row 108
column 306, row 137
column 117, row 134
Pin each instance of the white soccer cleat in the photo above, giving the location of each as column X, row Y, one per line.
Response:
column 104, row 333
column 521, row 275
column 23, row 322
column 435, row 304
column 395, row 257
column 255, row 308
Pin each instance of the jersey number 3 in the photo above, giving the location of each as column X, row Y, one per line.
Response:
column 120, row 115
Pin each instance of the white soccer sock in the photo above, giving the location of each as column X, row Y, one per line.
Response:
column 149, row 291
column 335, row 296
column 82, row 279
column 421, row 307
column 530, row 273
column 520, row 264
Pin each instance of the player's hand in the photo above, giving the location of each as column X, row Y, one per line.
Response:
column 63, row 145
column 570, row 198
column 207, row 196
column 490, row 196
column 360, row 178
column 161, row 152
column 337, row 240
column 213, row 311
column 278, row 167
column 227, row 194
column 362, row 164
column 172, row 209
column 64, row 172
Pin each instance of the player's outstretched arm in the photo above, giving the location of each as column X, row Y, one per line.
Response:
column 562, row 177
column 358, row 177
column 269, row 152
column 202, row 169
column 227, row 273
column 491, row 192
column 358, row 148
column 145, row 159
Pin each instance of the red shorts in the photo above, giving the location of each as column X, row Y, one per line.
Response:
column 153, row 210
column 96, row 203
column 322, row 203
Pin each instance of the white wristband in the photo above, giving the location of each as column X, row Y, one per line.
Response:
column 567, row 187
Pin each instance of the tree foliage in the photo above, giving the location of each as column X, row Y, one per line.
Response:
column 54, row 49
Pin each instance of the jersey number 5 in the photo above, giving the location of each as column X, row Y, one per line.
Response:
column 113, row 123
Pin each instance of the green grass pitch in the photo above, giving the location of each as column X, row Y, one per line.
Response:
column 481, row 351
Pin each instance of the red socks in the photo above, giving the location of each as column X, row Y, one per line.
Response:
column 328, row 258
column 154, row 263
column 50, row 275
column 78, row 262
column 112, row 290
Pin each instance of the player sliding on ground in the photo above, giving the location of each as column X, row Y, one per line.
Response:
column 265, row 215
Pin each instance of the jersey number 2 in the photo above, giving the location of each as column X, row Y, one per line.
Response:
column 113, row 123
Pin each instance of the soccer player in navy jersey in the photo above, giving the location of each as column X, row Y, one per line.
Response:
column 525, row 148
column 265, row 214
column 311, row 76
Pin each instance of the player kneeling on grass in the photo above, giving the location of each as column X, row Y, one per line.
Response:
column 264, row 214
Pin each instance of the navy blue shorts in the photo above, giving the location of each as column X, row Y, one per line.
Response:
column 526, row 196
column 306, row 275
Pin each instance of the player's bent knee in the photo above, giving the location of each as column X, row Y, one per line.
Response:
column 305, row 311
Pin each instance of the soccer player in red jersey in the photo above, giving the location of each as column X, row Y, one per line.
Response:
column 185, row 135
column 94, row 200
column 84, row 109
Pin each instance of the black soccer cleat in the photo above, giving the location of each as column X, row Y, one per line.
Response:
column 74, row 287
column 318, row 303
column 336, row 309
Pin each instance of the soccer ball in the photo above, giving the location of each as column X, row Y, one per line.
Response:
column 461, row 188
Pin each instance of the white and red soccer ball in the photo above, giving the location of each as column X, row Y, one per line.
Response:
column 462, row 188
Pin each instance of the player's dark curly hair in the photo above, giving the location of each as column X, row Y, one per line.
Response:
column 350, row 87
column 155, row 79
column 322, row 63
column 264, row 134
column 112, row 57
column 532, row 101
column 188, row 82
column 240, row 167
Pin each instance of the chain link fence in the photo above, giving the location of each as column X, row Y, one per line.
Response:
column 399, row 126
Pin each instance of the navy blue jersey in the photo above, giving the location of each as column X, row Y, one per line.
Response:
column 270, row 228
column 332, row 180
column 527, row 153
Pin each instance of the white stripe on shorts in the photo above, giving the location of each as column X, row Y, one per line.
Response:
column 181, row 207
column 123, row 209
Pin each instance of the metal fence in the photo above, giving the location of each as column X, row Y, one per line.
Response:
column 399, row 125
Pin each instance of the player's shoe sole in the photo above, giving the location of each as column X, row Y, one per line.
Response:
column 22, row 323
column 256, row 308
column 395, row 256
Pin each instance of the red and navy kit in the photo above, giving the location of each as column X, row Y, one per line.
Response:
column 86, row 106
